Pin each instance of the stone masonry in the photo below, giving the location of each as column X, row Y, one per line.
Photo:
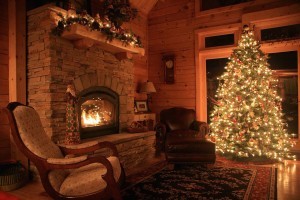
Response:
column 53, row 63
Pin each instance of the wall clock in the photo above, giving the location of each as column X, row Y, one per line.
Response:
column 169, row 65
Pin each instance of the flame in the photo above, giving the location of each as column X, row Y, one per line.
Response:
column 89, row 120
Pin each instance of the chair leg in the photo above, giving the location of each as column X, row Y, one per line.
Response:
column 116, row 193
column 209, row 166
column 170, row 166
column 113, row 188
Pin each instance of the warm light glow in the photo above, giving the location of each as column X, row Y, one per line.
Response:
column 247, row 120
column 90, row 120
column 96, row 112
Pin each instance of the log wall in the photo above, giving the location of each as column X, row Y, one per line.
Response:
column 139, row 27
column 4, row 129
column 171, row 30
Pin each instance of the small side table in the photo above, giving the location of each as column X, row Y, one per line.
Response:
column 147, row 119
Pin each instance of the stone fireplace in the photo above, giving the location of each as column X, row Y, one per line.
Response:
column 104, row 86
column 100, row 79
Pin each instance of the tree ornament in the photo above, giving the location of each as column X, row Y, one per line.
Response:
column 238, row 72
column 239, row 98
column 241, row 133
column 234, row 120
column 266, row 119
column 251, row 142
column 255, row 125
column 251, row 114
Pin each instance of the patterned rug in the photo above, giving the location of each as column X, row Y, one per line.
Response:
column 224, row 180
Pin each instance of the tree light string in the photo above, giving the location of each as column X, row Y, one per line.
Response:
column 247, row 120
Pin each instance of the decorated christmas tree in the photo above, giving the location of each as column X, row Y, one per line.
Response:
column 247, row 120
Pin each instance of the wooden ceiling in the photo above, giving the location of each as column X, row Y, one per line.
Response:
column 143, row 6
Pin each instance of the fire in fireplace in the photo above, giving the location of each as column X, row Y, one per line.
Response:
column 98, row 112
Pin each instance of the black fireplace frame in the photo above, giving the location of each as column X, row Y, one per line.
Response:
column 104, row 93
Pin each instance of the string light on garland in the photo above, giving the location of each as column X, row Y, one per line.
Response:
column 103, row 25
column 246, row 123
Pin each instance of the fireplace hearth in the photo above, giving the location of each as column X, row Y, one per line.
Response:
column 98, row 112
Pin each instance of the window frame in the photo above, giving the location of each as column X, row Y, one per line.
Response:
column 200, row 13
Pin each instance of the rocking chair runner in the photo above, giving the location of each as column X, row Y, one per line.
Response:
column 81, row 177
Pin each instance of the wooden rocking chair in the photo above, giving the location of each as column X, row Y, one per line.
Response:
column 82, row 177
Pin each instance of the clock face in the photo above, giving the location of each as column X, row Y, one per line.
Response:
column 169, row 67
column 169, row 64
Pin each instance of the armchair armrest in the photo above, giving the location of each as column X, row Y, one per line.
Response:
column 202, row 127
column 88, row 147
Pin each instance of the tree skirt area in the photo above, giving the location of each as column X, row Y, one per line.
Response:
column 223, row 180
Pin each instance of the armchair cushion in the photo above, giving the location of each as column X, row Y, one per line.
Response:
column 88, row 179
column 184, row 136
column 188, row 141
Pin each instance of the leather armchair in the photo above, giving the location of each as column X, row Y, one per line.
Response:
column 182, row 137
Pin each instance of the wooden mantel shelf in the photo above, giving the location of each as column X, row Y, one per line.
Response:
column 82, row 37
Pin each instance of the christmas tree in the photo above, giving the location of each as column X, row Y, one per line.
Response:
column 247, row 120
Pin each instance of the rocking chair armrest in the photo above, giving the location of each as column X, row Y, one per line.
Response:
column 88, row 147
column 73, row 163
column 66, row 161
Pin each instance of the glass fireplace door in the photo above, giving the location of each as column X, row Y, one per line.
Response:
column 98, row 112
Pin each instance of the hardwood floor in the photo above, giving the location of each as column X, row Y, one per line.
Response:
column 288, row 180
column 288, row 183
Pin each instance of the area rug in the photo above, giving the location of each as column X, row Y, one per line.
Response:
column 224, row 180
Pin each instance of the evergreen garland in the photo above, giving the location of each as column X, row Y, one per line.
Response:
column 103, row 25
